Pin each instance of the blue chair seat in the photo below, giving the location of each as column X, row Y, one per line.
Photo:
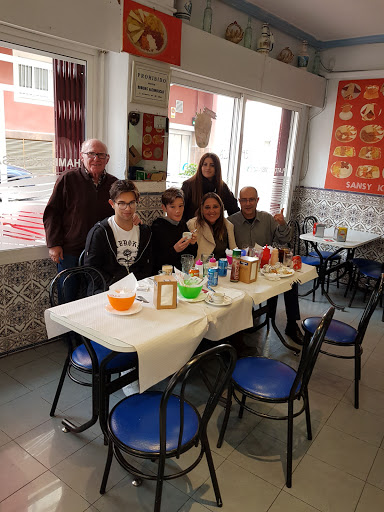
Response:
column 339, row 332
column 264, row 377
column 81, row 358
column 135, row 422
column 325, row 254
column 310, row 260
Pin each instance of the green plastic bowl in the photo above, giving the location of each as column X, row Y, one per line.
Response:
column 190, row 292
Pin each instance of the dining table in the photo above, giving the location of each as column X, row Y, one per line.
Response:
column 354, row 239
column 165, row 339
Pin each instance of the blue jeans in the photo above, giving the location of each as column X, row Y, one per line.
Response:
column 72, row 284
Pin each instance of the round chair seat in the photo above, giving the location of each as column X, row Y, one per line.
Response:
column 123, row 360
column 266, row 378
column 310, row 260
column 325, row 255
column 339, row 332
column 135, row 422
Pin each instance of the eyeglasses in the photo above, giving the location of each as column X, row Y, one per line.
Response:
column 251, row 200
column 123, row 206
column 92, row 154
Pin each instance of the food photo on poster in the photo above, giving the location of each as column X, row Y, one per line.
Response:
column 356, row 156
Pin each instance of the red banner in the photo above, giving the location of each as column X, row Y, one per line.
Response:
column 356, row 157
column 151, row 33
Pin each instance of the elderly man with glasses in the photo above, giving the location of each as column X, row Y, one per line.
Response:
column 79, row 199
column 257, row 227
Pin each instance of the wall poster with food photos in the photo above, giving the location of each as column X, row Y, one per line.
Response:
column 152, row 34
column 356, row 157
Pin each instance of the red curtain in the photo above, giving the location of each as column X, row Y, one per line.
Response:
column 69, row 94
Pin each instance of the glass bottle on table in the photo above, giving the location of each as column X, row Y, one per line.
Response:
column 207, row 20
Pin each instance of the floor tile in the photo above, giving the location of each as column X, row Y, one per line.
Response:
column 36, row 373
column 372, row 500
column 71, row 393
column 376, row 475
column 325, row 487
column 13, row 361
column 264, row 456
column 358, row 423
column 50, row 445
column 45, row 494
column 23, row 414
column 344, row 452
column 10, row 388
column 287, row 503
column 370, row 399
column 328, row 384
column 83, row 470
column 240, row 490
column 17, row 468
column 4, row 438
column 192, row 506
column 372, row 378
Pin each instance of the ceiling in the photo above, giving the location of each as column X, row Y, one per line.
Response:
column 326, row 23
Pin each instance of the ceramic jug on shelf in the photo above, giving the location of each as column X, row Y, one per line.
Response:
column 265, row 42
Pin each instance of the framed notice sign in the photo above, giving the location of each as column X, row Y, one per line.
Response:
column 149, row 85
column 151, row 34
column 356, row 157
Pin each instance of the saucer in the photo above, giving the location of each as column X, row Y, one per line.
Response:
column 199, row 298
column 226, row 302
column 135, row 308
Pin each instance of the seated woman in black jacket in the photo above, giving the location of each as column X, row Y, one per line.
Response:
column 168, row 243
column 115, row 246
column 207, row 179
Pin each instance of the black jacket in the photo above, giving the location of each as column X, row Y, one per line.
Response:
column 229, row 200
column 164, row 236
column 101, row 251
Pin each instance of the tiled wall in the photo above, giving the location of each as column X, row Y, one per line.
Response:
column 24, row 292
column 362, row 212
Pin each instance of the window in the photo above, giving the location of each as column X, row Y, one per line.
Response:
column 33, row 80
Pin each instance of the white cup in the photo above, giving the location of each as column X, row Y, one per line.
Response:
column 218, row 297
column 187, row 234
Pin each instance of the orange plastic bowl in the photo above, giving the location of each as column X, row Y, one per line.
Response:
column 121, row 301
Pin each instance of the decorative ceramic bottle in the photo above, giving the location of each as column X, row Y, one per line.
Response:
column 265, row 42
column 303, row 57
column 248, row 34
column 183, row 10
column 207, row 20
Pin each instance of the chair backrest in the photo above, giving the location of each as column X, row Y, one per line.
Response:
column 81, row 258
column 87, row 280
column 309, row 356
column 307, row 227
column 369, row 309
column 214, row 367
column 294, row 244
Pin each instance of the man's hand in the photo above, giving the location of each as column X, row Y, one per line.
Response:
column 56, row 253
column 136, row 219
column 279, row 218
column 181, row 244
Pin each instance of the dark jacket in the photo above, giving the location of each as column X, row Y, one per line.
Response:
column 74, row 207
column 164, row 236
column 101, row 251
column 229, row 200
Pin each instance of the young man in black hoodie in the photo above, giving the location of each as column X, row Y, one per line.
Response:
column 115, row 246
column 168, row 243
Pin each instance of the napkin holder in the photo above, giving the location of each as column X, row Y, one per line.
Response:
column 165, row 292
column 340, row 234
column 249, row 266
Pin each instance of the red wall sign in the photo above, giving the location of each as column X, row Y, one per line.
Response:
column 356, row 157
column 151, row 33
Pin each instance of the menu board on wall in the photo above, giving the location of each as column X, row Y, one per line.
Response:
column 153, row 138
column 151, row 34
column 356, row 157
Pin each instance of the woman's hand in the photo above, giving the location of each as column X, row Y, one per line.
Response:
column 136, row 219
column 182, row 244
column 193, row 238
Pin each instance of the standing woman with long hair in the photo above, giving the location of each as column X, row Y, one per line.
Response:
column 207, row 179
column 214, row 232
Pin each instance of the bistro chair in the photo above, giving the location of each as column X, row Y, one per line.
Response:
column 85, row 355
column 271, row 381
column 369, row 270
column 340, row 334
column 162, row 425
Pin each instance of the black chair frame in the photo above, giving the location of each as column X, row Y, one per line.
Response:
column 225, row 356
column 299, row 390
column 101, row 384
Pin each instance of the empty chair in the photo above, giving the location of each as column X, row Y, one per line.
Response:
column 84, row 355
column 370, row 270
column 159, row 426
column 271, row 381
column 341, row 334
